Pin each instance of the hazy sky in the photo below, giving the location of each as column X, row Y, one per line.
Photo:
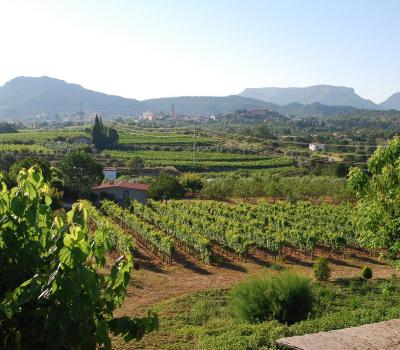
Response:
column 155, row 48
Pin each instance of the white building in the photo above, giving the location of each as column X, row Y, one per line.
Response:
column 316, row 147
column 110, row 173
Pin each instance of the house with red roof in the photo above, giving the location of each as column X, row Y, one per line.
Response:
column 122, row 191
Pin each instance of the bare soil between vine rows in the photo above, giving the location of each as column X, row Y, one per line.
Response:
column 155, row 281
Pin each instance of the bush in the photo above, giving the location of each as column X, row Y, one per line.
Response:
column 287, row 298
column 250, row 300
column 322, row 272
column 293, row 298
column 366, row 273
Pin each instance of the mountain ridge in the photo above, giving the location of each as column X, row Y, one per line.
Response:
column 325, row 94
column 393, row 102
column 36, row 95
column 26, row 97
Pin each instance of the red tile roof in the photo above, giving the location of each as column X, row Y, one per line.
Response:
column 122, row 184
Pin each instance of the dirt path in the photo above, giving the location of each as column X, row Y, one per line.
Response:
column 154, row 281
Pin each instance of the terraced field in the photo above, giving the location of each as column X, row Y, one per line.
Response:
column 24, row 149
column 38, row 137
column 161, row 138
column 203, row 161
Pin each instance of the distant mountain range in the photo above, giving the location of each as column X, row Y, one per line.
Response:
column 324, row 94
column 393, row 102
column 203, row 105
column 25, row 97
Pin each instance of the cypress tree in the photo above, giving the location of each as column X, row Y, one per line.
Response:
column 102, row 136
column 96, row 133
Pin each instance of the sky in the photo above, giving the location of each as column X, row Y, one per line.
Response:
column 158, row 48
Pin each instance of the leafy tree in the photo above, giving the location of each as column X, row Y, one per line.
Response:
column 378, row 206
column 248, row 187
column 192, row 182
column 56, row 178
column 6, row 161
column 166, row 187
column 52, row 295
column 26, row 163
column 112, row 137
column 135, row 164
column 7, row 128
column 102, row 136
column 80, row 172
column 341, row 169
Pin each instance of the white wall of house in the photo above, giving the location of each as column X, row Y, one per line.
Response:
column 120, row 194
column 316, row 147
column 110, row 174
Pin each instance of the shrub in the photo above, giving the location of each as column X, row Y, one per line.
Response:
column 366, row 273
column 249, row 300
column 292, row 298
column 322, row 272
column 287, row 298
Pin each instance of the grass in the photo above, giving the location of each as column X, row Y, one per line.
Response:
column 202, row 320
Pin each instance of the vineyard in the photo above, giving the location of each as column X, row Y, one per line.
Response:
column 145, row 234
column 161, row 138
column 38, row 142
column 38, row 137
column 31, row 149
column 203, row 161
column 119, row 240
column 208, row 229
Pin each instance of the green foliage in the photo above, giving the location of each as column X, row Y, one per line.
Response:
column 26, row 163
column 80, row 172
column 119, row 240
column 287, row 298
column 102, row 136
column 38, row 136
column 185, row 234
column 245, row 226
column 135, row 164
column 201, row 320
column 322, row 272
column 204, row 161
column 248, row 187
column 292, row 298
column 378, row 207
column 158, row 242
column 217, row 189
column 250, row 300
column 192, row 182
column 166, row 187
column 52, row 294
column 295, row 188
column 366, row 273
column 6, row 161
column 7, row 128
